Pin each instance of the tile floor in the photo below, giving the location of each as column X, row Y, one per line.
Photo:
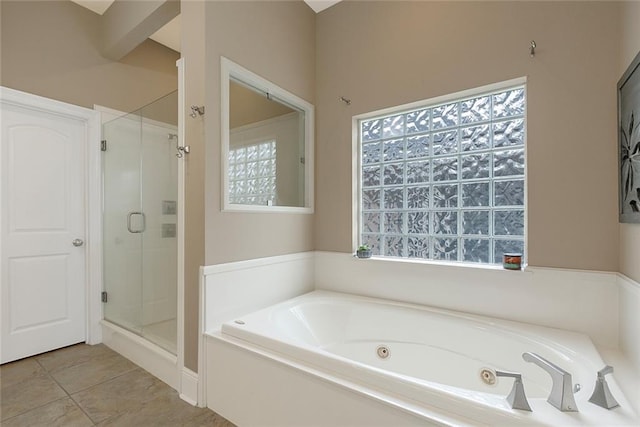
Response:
column 84, row 385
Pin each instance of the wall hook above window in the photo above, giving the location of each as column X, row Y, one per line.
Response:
column 196, row 111
column 532, row 48
column 345, row 100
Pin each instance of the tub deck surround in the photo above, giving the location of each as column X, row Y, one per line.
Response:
column 245, row 286
column 316, row 385
column 575, row 300
column 434, row 359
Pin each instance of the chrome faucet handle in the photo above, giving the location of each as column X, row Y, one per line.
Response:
column 516, row 398
column 561, row 395
column 608, row 369
column 601, row 394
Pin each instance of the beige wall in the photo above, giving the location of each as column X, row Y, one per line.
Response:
column 276, row 40
column 629, row 250
column 163, row 110
column 1, row 39
column 128, row 23
column 51, row 48
column 193, row 52
column 381, row 54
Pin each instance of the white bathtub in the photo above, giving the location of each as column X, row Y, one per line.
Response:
column 434, row 363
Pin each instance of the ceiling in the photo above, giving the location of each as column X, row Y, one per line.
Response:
column 320, row 5
column 169, row 35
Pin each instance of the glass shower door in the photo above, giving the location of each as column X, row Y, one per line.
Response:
column 159, row 178
column 140, row 176
column 123, row 223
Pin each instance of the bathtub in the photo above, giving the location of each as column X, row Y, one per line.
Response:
column 422, row 361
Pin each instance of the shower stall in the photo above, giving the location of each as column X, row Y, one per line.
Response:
column 140, row 209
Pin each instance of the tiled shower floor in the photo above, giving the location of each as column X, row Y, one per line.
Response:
column 86, row 385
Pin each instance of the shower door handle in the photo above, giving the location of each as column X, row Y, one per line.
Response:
column 144, row 222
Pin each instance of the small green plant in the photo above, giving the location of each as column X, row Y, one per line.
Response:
column 364, row 251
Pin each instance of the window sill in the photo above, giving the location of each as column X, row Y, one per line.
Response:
column 233, row 208
column 437, row 264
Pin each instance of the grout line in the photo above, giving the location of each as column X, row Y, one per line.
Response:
column 136, row 368
column 107, row 380
column 32, row 409
column 51, row 377
column 82, row 409
column 47, row 374
column 67, row 393
column 76, row 403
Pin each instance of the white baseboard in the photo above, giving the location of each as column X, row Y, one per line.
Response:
column 189, row 387
column 150, row 357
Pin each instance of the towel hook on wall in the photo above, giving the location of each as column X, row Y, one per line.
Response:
column 182, row 149
column 532, row 48
column 195, row 111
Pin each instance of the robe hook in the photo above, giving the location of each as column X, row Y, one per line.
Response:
column 532, row 48
column 196, row 111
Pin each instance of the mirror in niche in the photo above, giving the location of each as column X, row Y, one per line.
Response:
column 267, row 144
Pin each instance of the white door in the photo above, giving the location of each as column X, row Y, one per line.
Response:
column 42, row 251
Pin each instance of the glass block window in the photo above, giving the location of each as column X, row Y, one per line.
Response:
column 252, row 172
column 446, row 181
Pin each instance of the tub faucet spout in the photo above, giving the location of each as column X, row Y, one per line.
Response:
column 601, row 394
column 561, row 395
column 516, row 398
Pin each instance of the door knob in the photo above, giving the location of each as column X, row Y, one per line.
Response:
column 77, row 242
